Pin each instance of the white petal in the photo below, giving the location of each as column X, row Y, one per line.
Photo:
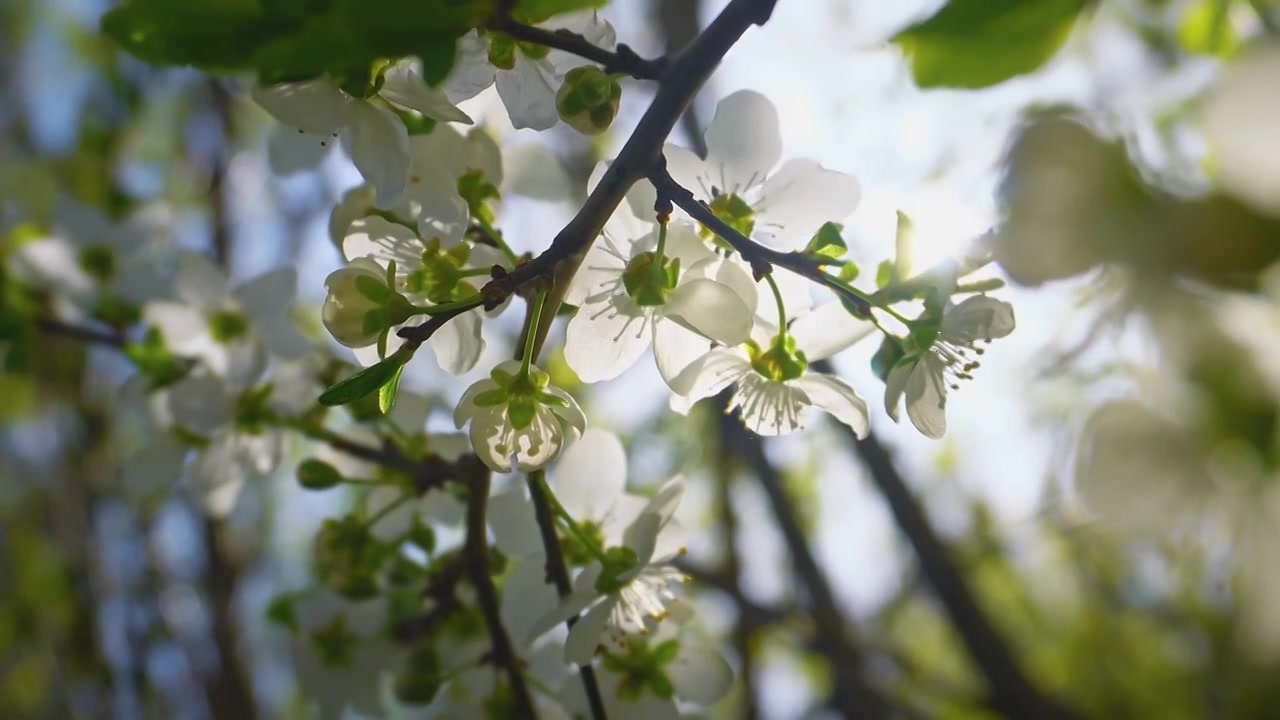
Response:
column 200, row 403
column 534, row 171
column 587, row 23
column 689, row 171
column 217, row 475
column 600, row 275
column 53, row 261
column 675, row 348
column 711, row 373
column 927, row 396
column 404, row 87
column 803, row 195
column 743, row 141
column 527, row 92
column 471, row 71
column 384, row 241
column 828, row 330
column 184, row 329
column 584, row 636
column 684, row 243
column 466, row 408
column 393, row 522
column 270, row 293
column 663, row 504
column 515, row 530
column 699, row 673
column 895, row 386
column 458, row 344
column 979, row 317
column 481, row 152
column 591, row 475
column 290, row 151
column 712, row 309
column 355, row 204
column 200, row 283
column 834, row 395
column 314, row 106
column 769, row 407
column 572, row 414
column 368, row 356
column 580, row 599
column 526, row 596
column 604, row 339
column 379, row 146
column 642, row 537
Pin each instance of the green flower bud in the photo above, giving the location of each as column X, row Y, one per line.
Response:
column 588, row 100
column 314, row 474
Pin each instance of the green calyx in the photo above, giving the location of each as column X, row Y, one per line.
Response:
column 334, row 644
column 734, row 211
column 588, row 100
column 617, row 561
column 227, row 326
column 579, row 552
column 98, row 262
column 363, row 82
column 781, row 362
column 642, row 668
column 253, row 412
column 649, row 279
column 522, row 393
column 440, row 277
column 477, row 192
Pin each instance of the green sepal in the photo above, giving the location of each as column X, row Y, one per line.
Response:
column 387, row 393
column 827, row 243
column 367, row 381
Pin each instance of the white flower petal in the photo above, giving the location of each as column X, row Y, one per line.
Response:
column 527, row 92
column 711, row 373
column 466, row 408
column 830, row 393
column 743, row 141
column 663, row 504
column 355, row 204
column 895, row 386
column 699, row 673
column 584, row 636
column 642, row 536
column 534, row 171
column 591, row 475
column 515, row 530
column 713, row 309
column 183, row 328
column 604, row 339
column 802, row 195
column 379, row 146
column 481, row 152
column 201, row 404
column 688, row 170
column 290, row 150
column 587, row 23
column 979, row 317
column 675, row 348
column 458, row 344
column 770, row 407
column 314, row 106
column 927, row 396
column 404, row 87
column 200, row 283
column 384, row 241
column 526, row 596
column 471, row 71
column 270, row 293
column 828, row 330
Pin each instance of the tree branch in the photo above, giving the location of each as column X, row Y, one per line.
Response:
column 476, row 550
column 558, row 575
column 624, row 60
column 1012, row 692
column 762, row 259
column 91, row 336
column 853, row 697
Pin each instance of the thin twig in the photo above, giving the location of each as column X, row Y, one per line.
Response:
column 762, row 259
column 92, row 336
column 476, row 550
column 624, row 60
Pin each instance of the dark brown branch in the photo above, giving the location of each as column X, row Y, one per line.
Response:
column 624, row 60
column 476, row 551
column 762, row 259
column 853, row 697
column 230, row 693
column 91, row 336
column 558, row 575
column 1012, row 692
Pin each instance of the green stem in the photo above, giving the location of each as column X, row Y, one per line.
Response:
column 662, row 244
column 497, row 238
column 570, row 524
column 872, row 300
column 530, row 332
column 386, row 510
column 782, row 310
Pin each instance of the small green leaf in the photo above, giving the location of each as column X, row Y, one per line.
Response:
column 884, row 273
column 366, row 382
column 535, row 11
column 827, row 243
column 977, row 43
column 903, row 240
column 1206, row 29
column 387, row 393
column 282, row 612
column 849, row 271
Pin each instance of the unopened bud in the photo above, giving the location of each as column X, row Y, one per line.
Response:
column 588, row 100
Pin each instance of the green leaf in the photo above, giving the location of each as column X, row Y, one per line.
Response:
column 1205, row 29
column 282, row 612
column 437, row 59
column 977, row 43
column 366, row 382
column 849, row 271
column 827, row 243
column 535, row 11
column 884, row 273
column 903, row 240
column 387, row 393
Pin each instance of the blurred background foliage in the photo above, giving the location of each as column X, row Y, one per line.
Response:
column 1143, row 585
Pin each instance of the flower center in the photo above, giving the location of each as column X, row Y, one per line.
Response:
column 781, row 362
column 252, row 413
column 641, row 668
column 98, row 261
column 334, row 644
column 734, row 211
column 227, row 326
column 440, row 276
column 649, row 279
column 576, row 552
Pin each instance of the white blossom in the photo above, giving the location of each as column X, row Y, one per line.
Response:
column 926, row 374
column 529, row 75
column 341, row 653
column 373, row 135
column 518, row 422
column 742, row 181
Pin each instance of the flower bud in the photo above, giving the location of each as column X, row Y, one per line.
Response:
column 314, row 474
column 353, row 307
column 588, row 100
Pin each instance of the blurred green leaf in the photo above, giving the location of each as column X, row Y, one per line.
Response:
column 977, row 43
column 366, row 382
column 1206, row 29
column 539, row 10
